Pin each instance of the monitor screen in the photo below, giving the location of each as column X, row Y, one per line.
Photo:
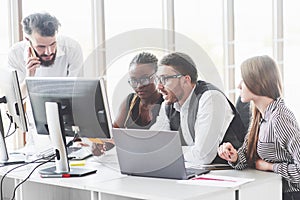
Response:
column 83, row 104
column 12, row 97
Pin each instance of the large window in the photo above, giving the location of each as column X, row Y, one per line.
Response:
column 251, row 25
column 253, row 29
column 126, row 19
column 202, row 21
column 74, row 16
column 291, row 55
column 4, row 39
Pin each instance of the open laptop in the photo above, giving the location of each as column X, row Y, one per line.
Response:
column 152, row 154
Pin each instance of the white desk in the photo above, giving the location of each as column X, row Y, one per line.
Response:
column 108, row 183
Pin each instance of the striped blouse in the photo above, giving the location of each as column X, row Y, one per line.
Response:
column 278, row 143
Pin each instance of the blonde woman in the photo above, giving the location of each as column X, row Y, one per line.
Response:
column 273, row 140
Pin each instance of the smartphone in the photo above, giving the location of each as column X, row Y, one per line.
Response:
column 32, row 52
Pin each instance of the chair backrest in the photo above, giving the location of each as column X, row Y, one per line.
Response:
column 244, row 111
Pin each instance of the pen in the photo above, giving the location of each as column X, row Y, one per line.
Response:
column 212, row 179
column 77, row 163
column 55, row 175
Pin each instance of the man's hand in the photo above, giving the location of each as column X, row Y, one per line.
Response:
column 32, row 63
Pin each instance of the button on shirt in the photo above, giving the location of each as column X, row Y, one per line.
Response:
column 213, row 118
column 279, row 143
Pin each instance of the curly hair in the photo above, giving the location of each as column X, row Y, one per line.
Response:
column 144, row 58
column 42, row 23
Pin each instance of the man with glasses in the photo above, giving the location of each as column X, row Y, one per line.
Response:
column 43, row 53
column 203, row 115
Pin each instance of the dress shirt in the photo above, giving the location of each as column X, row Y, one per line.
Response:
column 278, row 143
column 68, row 61
column 213, row 118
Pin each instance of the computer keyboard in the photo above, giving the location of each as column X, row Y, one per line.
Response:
column 79, row 153
column 74, row 153
column 45, row 153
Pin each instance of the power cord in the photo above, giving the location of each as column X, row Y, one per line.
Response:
column 34, row 161
column 76, row 136
column 11, row 122
column 10, row 134
column 15, row 189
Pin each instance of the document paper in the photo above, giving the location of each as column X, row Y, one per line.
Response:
column 217, row 181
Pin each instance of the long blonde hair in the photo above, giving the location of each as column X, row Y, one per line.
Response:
column 262, row 77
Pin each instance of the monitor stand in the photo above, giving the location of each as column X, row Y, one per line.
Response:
column 5, row 158
column 57, row 136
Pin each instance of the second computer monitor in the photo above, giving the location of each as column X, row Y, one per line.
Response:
column 83, row 104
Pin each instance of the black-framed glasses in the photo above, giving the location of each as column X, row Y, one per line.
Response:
column 134, row 82
column 164, row 79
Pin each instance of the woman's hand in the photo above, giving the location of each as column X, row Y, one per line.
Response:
column 263, row 165
column 228, row 152
column 100, row 149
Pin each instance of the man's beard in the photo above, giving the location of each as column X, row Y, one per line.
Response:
column 46, row 63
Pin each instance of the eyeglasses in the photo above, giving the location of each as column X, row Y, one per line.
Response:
column 134, row 82
column 164, row 79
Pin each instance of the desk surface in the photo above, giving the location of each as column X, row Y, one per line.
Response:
column 109, row 180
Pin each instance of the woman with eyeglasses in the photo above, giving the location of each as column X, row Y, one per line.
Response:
column 140, row 109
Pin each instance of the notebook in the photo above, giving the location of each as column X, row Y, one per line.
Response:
column 151, row 153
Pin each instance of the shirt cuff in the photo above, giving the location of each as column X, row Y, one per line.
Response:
column 275, row 167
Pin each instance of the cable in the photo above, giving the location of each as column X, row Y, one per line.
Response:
column 2, row 179
column 76, row 136
column 15, row 189
column 11, row 122
column 10, row 134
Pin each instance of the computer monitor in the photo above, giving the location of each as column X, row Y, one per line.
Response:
column 83, row 103
column 13, row 99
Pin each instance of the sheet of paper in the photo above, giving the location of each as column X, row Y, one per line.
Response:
column 216, row 180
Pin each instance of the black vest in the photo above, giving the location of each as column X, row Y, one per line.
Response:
column 235, row 133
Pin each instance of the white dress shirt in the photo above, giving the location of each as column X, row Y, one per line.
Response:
column 68, row 61
column 214, row 116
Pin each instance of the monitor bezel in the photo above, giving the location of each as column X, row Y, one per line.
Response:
column 13, row 97
column 103, row 94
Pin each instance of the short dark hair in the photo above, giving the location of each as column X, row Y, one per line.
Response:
column 42, row 23
column 145, row 58
column 182, row 63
